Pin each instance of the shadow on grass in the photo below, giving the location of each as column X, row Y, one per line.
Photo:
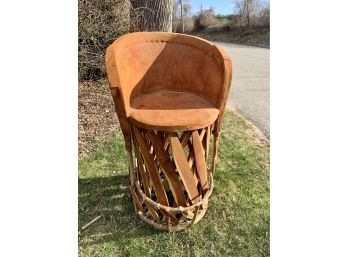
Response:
column 108, row 197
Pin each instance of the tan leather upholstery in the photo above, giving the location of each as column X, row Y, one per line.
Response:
column 167, row 81
column 172, row 111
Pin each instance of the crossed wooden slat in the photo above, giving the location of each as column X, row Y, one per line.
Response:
column 169, row 163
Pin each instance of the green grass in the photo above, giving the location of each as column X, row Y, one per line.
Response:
column 236, row 223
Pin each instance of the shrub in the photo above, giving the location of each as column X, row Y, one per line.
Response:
column 100, row 23
column 264, row 19
column 188, row 22
column 224, row 17
column 205, row 19
column 188, row 25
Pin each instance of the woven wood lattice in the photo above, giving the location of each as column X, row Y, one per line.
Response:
column 171, row 184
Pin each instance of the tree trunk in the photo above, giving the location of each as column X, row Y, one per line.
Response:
column 155, row 15
column 248, row 15
column 182, row 20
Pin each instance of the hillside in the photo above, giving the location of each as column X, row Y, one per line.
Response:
column 253, row 36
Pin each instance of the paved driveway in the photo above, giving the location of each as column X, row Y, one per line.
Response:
column 250, row 83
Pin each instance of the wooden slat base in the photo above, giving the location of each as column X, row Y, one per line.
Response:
column 170, row 182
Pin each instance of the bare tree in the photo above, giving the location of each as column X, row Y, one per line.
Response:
column 182, row 19
column 155, row 15
column 204, row 19
column 100, row 22
column 265, row 15
column 246, row 9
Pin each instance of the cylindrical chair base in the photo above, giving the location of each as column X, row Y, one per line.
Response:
column 170, row 182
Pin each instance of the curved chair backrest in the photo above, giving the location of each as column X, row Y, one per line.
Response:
column 145, row 62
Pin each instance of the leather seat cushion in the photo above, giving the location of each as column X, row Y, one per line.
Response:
column 172, row 111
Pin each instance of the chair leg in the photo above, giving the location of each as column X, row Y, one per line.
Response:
column 130, row 168
column 215, row 151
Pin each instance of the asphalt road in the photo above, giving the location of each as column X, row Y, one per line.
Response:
column 250, row 83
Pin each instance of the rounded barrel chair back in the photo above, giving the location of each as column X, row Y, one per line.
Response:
column 147, row 62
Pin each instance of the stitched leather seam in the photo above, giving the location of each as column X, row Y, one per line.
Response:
column 174, row 42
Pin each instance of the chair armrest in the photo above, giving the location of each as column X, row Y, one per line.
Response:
column 111, row 68
column 227, row 67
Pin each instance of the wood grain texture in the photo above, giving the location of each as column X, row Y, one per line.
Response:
column 142, row 173
column 200, row 160
column 152, row 168
column 185, row 137
column 207, row 143
column 167, row 168
column 153, row 213
column 136, row 200
column 155, row 15
column 184, row 169
column 171, row 217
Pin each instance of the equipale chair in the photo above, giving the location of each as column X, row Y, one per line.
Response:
column 170, row 92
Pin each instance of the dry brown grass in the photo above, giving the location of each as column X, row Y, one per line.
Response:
column 97, row 116
column 253, row 36
column 100, row 23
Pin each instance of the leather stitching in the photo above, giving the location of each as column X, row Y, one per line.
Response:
column 173, row 42
column 149, row 92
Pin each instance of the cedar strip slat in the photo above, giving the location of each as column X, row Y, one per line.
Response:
column 171, row 217
column 165, row 184
column 165, row 219
column 190, row 161
column 153, row 212
column 184, row 169
column 201, row 134
column 148, row 142
column 142, row 172
column 188, row 214
column 200, row 161
column 168, row 169
column 215, row 148
column 136, row 200
column 166, row 142
column 185, row 137
column 190, row 157
column 207, row 143
column 160, row 134
column 169, row 227
column 151, row 167
column 195, row 215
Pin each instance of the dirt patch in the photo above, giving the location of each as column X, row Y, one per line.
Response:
column 97, row 116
